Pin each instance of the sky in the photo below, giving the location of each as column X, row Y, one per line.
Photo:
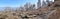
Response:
column 15, row 3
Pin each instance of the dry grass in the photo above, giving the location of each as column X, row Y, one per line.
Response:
column 31, row 14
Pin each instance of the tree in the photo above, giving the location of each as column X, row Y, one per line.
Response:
column 32, row 7
column 27, row 5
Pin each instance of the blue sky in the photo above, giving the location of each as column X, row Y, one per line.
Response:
column 15, row 3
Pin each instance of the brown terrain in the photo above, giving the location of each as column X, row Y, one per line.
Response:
column 34, row 14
